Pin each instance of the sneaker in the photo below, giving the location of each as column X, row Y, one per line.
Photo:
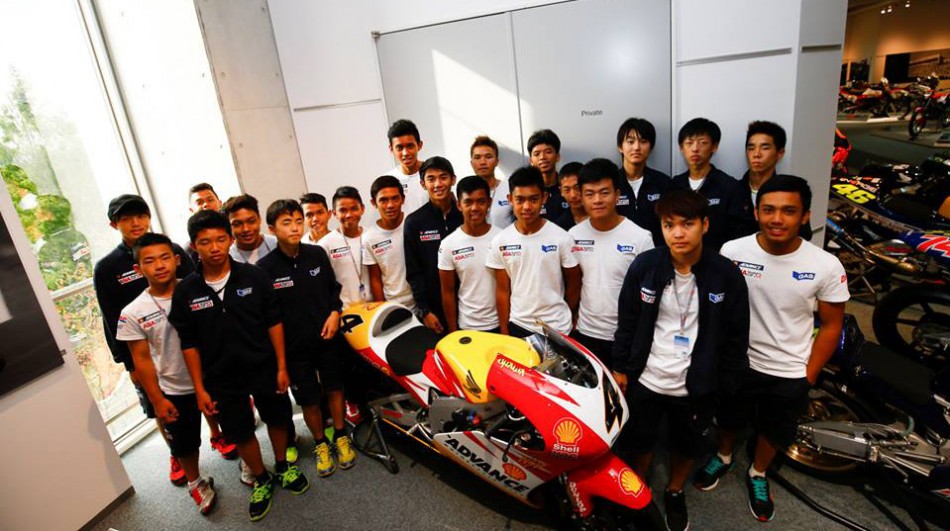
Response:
column 177, row 474
column 676, row 517
column 293, row 480
column 247, row 477
column 344, row 452
column 760, row 499
column 222, row 446
column 292, row 454
column 204, row 495
column 261, row 499
column 707, row 478
column 325, row 464
column 352, row 413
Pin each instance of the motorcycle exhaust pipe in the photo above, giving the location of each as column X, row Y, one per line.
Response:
column 845, row 239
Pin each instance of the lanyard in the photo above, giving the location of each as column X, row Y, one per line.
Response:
column 679, row 307
column 357, row 268
column 157, row 305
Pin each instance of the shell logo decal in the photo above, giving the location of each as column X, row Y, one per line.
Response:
column 630, row 483
column 514, row 472
column 567, row 431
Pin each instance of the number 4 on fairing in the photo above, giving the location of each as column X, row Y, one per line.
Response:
column 613, row 410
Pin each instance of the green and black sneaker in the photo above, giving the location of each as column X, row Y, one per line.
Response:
column 293, row 480
column 261, row 498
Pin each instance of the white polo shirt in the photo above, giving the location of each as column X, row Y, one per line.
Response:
column 384, row 248
column 466, row 255
column 346, row 258
column 146, row 317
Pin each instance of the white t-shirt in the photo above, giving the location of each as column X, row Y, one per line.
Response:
column 416, row 194
column 218, row 285
column 308, row 238
column 499, row 214
column 268, row 244
column 346, row 258
column 604, row 258
column 384, row 248
column 783, row 291
column 534, row 263
column 636, row 184
column 666, row 367
column 146, row 317
column 695, row 184
column 465, row 254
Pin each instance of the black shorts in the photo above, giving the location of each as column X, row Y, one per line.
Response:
column 689, row 423
column 601, row 348
column 236, row 416
column 144, row 401
column 772, row 404
column 184, row 435
column 319, row 367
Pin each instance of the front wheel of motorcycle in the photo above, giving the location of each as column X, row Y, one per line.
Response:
column 825, row 403
column 917, row 122
column 911, row 319
column 611, row 516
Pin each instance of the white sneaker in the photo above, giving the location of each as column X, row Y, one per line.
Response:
column 247, row 477
column 204, row 495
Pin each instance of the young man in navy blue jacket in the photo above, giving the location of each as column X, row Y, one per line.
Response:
column 640, row 185
column 229, row 322
column 681, row 340
column 309, row 297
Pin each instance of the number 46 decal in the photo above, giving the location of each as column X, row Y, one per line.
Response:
column 853, row 193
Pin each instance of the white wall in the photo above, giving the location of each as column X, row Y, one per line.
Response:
column 60, row 468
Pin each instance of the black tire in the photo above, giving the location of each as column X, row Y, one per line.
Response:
column 917, row 123
column 611, row 516
column 905, row 314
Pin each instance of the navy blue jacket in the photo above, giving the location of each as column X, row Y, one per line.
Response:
column 640, row 209
column 423, row 232
column 720, row 352
column 747, row 223
column 725, row 205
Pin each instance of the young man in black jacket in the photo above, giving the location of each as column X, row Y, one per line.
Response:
column 229, row 322
column 309, row 297
column 681, row 340
column 640, row 186
column 424, row 231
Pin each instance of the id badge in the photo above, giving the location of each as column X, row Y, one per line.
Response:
column 681, row 346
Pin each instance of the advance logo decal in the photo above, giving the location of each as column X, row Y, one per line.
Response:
column 473, row 460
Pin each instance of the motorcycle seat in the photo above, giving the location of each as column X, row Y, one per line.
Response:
column 909, row 378
column 470, row 354
column 407, row 351
column 914, row 211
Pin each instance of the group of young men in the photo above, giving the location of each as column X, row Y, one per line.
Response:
column 663, row 279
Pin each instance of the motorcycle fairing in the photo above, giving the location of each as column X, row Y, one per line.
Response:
column 607, row 477
column 933, row 243
column 470, row 355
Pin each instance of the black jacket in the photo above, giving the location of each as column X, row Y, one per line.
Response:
column 555, row 205
column 117, row 284
column 720, row 352
column 639, row 209
column 747, row 224
column 231, row 335
column 725, row 205
column 423, row 232
column 307, row 291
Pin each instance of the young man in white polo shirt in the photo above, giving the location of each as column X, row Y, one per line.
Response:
column 404, row 145
column 383, row 250
column 786, row 276
column 536, row 273
column 462, row 261
column 605, row 245
column 345, row 247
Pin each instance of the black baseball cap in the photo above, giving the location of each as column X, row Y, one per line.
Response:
column 126, row 203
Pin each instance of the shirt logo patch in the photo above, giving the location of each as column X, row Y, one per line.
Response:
column 750, row 270
column 200, row 303
column 151, row 320
column 713, row 201
column 315, row 272
column 283, row 282
column 716, row 298
column 844, row 279
column 461, row 254
column 583, row 246
column 128, row 276
column 339, row 252
column 244, row 292
column 548, row 248
column 626, row 249
column 647, row 295
column 623, row 201
column 803, row 276
column 429, row 236
column 653, row 197
column 382, row 247
column 503, row 202
column 510, row 250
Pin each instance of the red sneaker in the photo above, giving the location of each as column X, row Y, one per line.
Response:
column 227, row 450
column 177, row 475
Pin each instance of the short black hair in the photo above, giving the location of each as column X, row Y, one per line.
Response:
column 149, row 239
column 314, row 199
column 685, row 203
column 403, row 128
column 239, row 202
column 347, row 192
column 280, row 207
column 383, row 182
column 641, row 126
column 697, row 127
column 524, row 177
column 544, row 136
column 772, row 129
column 201, row 187
column 571, row 168
column 470, row 184
column 597, row 170
column 485, row 141
column 438, row 163
column 207, row 219
column 786, row 183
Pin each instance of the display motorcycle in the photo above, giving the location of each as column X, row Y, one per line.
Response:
column 935, row 109
column 876, row 408
column 863, row 97
column 531, row 417
column 912, row 95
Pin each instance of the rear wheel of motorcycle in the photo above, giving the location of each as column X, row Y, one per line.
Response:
column 916, row 124
column 906, row 315
column 825, row 403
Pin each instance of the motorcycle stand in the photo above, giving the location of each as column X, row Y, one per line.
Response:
column 368, row 439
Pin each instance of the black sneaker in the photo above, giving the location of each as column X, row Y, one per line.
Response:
column 293, row 480
column 707, row 478
column 676, row 517
column 760, row 498
column 261, row 498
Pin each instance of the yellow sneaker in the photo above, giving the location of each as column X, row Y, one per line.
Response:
column 325, row 465
column 344, row 452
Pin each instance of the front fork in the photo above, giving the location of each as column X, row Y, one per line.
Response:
column 609, row 479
